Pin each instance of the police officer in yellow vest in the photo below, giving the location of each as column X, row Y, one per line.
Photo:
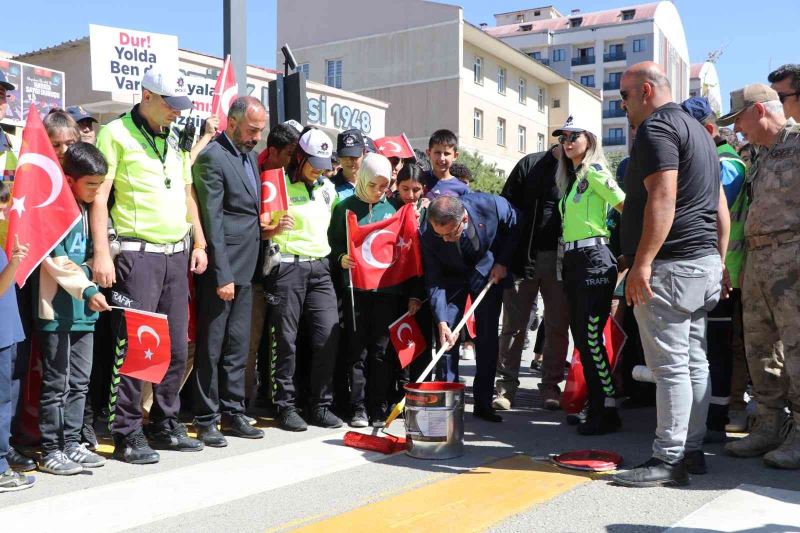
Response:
column 156, row 221
column 589, row 268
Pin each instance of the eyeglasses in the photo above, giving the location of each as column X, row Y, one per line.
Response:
column 453, row 234
column 574, row 136
column 783, row 97
column 623, row 94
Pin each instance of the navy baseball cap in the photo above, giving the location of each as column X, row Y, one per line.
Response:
column 78, row 113
column 698, row 107
column 4, row 82
column 350, row 143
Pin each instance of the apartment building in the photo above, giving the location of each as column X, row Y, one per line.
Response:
column 704, row 81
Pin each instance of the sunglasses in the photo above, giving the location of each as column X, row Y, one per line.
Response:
column 453, row 234
column 572, row 137
column 783, row 97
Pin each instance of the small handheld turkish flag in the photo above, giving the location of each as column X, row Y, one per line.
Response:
column 397, row 146
column 407, row 339
column 274, row 196
column 387, row 252
column 225, row 91
column 148, row 353
column 471, row 320
column 42, row 206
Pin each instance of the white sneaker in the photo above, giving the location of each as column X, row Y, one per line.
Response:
column 59, row 464
column 84, row 457
column 467, row 353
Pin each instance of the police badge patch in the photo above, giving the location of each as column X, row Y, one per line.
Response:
column 583, row 185
column 327, row 197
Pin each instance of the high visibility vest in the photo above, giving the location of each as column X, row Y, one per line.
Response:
column 734, row 258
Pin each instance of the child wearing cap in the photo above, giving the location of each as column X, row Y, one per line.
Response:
column 350, row 149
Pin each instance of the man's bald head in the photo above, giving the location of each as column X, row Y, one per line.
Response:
column 650, row 72
column 644, row 87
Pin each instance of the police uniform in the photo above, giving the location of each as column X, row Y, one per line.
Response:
column 590, row 275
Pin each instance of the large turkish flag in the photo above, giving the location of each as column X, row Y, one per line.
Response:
column 225, row 92
column 387, row 252
column 148, row 352
column 43, row 209
column 407, row 339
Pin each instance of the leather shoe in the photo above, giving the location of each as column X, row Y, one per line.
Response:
column 695, row 461
column 606, row 422
column 487, row 413
column 238, row 426
column 653, row 473
column 175, row 439
column 19, row 462
column 211, row 436
column 134, row 449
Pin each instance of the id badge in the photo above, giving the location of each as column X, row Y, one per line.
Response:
column 560, row 258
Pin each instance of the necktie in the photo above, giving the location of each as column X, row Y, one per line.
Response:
column 248, row 169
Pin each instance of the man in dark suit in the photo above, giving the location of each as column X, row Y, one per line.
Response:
column 466, row 242
column 229, row 194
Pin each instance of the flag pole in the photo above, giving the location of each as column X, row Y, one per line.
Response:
column 350, row 270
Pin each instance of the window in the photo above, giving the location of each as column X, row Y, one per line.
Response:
column 477, row 124
column 615, row 133
column 540, row 142
column 614, row 78
column 304, row 69
column 576, row 22
column 501, row 132
column 559, row 54
column 522, row 138
column 587, row 52
column 541, row 100
column 638, row 45
column 587, row 81
column 536, row 55
column 615, row 105
column 628, row 14
column 333, row 73
column 522, row 90
column 537, row 13
column 501, row 80
column 615, row 50
column 556, row 103
column 477, row 70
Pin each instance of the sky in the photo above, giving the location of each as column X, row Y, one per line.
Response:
column 755, row 41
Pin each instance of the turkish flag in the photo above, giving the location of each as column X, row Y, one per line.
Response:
column 471, row 319
column 225, row 92
column 43, row 209
column 148, row 354
column 397, row 146
column 407, row 339
column 575, row 390
column 387, row 252
column 274, row 196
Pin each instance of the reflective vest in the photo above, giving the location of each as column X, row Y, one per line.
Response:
column 734, row 258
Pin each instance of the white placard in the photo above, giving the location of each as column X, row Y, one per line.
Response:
column 120, row 57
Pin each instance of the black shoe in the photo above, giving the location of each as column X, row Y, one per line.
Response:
column 210, row 436
column 607, row 422
column 19, row 462
column 653, row 473
column 324, row 417
column 360, row 418
column 238, row 426
column 175, row 439
column 573, row 419
column 695, row 462
column 487, row 413
column 89, row 437
column 290, row 420
column 134, row 449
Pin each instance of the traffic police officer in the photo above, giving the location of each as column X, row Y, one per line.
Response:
column 589, row 268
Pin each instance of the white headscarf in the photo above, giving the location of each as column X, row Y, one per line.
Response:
column 373, row 165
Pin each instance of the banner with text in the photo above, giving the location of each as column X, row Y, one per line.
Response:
column 35, row 86
column 120, row 57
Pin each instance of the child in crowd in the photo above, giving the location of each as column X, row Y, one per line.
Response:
column 443, row 151
column 67, row 309
column 10, row 334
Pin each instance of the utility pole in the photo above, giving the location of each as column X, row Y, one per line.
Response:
column 234, row 39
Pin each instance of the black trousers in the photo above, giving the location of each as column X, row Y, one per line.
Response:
column 589, row 277
column 369, row 364
column 306, row 291
column 157, row 283
column 223, row 345
column 720, row 358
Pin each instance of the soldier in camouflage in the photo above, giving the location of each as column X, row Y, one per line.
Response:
column 771, row 288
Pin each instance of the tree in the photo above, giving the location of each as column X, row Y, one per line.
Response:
column 485, row 176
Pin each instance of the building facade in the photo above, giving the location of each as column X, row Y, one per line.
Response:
column 704, row 81
column 436, row 71
column 595, row 48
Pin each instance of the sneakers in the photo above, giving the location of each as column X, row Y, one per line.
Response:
column 19, row 462
column 763, row 438
column 323, row 417
column 290, row 420
column 787, row 455
column 175, row 439
column 695, row 461
column 487, row 414
column 89, row 437
column 653, row 473
column 501, row 403
column 58, row 463
column 467, row 352
column 80, row 453
column 360, row 419
column 11, row 481
column 551, row 398
column 133, row 448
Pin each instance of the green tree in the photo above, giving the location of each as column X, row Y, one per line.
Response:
column 485, row 176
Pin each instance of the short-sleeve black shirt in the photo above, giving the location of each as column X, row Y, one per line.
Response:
column 671, row 139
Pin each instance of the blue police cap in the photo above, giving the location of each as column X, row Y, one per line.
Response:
column 698, row 107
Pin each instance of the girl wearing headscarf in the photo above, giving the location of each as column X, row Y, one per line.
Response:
column 368, row 337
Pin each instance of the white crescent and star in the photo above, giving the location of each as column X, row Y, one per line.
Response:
column 228, row 95
column 400, row 330
column 18, row 205
column 366, row 250
column 52, row 170
column 148, row 354
column 273, row 192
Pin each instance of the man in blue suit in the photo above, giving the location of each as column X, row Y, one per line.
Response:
column 466, row 242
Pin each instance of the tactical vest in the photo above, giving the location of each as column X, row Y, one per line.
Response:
column 734, row 258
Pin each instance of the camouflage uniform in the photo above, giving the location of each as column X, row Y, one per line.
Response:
column 771, row 291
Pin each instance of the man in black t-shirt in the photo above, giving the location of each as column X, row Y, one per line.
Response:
column 674, row 224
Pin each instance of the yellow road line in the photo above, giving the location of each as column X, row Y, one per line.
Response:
column 471, row 501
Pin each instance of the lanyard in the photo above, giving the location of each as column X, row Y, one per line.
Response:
column 163, row 158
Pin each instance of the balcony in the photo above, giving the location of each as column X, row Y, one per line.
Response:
column 583, row 60
column 543, row 60
column 614, row 141
column 615, row 56
column 611, row 85
column 613, row 113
